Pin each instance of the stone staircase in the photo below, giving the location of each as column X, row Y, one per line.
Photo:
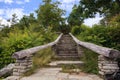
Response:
column 66, row 48
column 68, row 54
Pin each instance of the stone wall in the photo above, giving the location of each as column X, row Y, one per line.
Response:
column 7, row 70
column 22, row 65
column 107, row 65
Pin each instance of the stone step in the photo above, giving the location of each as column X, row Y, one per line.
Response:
column 69, row 55
column 67, row 49
column 66, row 56
column 66, row 45
column 67, row 52
column 60, row 42
column 62, row 62
column 76, row 58
column 67, row 40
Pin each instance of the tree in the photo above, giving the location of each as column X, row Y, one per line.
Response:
column 26, row 21
column 49, row 14
column 14, row 19
column 75, row 17
column 107, row 8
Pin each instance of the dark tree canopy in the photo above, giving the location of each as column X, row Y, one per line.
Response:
column 75, row 17
column 88, row 9
column 107, row 8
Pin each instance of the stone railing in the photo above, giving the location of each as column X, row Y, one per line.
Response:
column 6, row 70
column 24, row 58
column 107, row 60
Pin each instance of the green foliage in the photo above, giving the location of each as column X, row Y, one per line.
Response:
column 76, row 30
column 79, row 29
column 109, row 8
column 89, row 8
column 49, row 14
column 17, row 40
column 4, row 31
column 75, row 18
column 115, row 20
column 98, row 34
column 65, row 28
column 91, row 61
column 114, row 37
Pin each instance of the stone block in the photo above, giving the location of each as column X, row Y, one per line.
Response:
column 110, row 67
column 21, row 61
column 106, row 70
column 22, row 71
column 29, row 66
column 29, row 63
column 16, row 74
column 17, row 64
column 101, row 72
column 102, row 58
column 15, row 70
column 107, row 62
column 23, row 64
column 100, row 67
column 20, row 67
column 113, row 65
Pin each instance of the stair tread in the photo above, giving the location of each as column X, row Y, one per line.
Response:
column 55, row 63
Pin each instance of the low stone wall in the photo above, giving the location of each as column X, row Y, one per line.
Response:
column 22, row 66
column 107, row 65
column 7, row 70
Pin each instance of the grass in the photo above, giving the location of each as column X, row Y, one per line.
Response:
column 40, row 59
column 90, row 59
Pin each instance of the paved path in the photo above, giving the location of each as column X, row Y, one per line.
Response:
column 55, row 74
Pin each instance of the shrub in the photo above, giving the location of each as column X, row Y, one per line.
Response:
column 22, row 39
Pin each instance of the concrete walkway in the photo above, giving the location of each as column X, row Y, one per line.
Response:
column 55, row 74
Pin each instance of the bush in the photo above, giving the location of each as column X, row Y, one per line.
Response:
column 105, row 36
column 22, row 39
column 76, row 30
